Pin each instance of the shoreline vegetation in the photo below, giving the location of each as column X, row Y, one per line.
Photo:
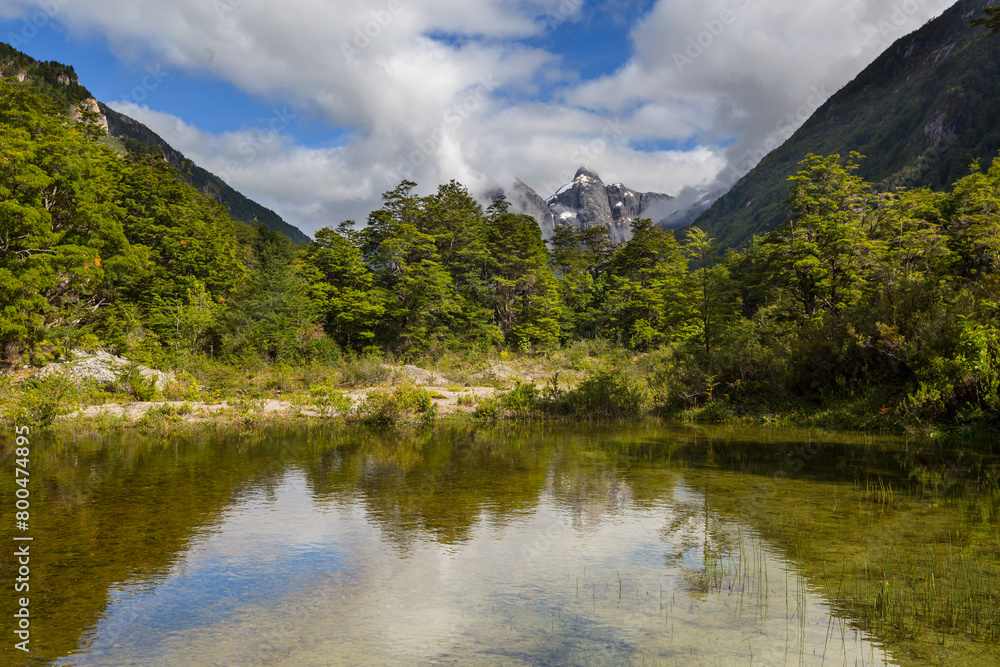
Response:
column 873, row 309
column 590, row 382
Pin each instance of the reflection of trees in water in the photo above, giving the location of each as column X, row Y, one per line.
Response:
column 437, row 484
column 591, row 493
column 700, row 543
column 117, row 509
column 121, row 508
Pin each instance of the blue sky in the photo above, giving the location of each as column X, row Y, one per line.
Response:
column 198, row 97
column 316, row 107
column 592, row 45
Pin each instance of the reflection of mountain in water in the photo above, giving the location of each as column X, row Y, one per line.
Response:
column 531, row 515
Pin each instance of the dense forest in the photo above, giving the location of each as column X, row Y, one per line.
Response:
column 890, row 295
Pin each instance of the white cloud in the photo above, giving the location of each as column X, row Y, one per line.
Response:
column 740, row 67
column 442, row 89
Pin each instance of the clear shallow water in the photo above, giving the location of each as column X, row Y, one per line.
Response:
column 624, row 546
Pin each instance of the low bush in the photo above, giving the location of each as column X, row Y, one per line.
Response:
column 363, row 371
column 385, row 408
column 184, row 387
column 328, row 401
column 520, row 402
column 39, row 401
column 130, row 381
column 604, row 394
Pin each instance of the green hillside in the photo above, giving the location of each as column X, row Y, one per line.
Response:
column 59, row 82
column 50, row 78
column 136, row 137
column 921, row 114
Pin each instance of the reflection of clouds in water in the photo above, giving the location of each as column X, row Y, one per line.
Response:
column 592, row 496
column 593, row 594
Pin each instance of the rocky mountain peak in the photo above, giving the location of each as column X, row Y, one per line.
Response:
column 587, row 202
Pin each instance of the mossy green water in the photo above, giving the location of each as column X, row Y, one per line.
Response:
column 537, row 545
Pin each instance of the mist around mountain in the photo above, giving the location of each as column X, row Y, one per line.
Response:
column 921, row 113
column 587, row 202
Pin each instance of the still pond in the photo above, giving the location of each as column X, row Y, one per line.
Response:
column 545, row 545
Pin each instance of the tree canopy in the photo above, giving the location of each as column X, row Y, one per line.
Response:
column 893, row 293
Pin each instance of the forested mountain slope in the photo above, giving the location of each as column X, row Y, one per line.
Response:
column 137, row 137
column 60, row 83
column 921, row 114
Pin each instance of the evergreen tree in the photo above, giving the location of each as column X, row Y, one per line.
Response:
column 989, row 20
column 188, row 237
column 458, row 226
column 62, row 246
column 713, row 289
column 571, row 261
column 343, row 287
column 525, row 298
column 273, row 312
column 972, row 220
column 647, row 298
column 820, row 258
column 421, row 303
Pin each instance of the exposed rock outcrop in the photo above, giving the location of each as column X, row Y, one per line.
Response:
column 89, row 105
column 587, row 202
column 103, row 368
column 525, row 200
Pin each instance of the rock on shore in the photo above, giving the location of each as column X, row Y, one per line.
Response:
column 103, row 368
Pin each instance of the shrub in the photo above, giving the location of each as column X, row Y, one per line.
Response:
column 159, row 415
column 184, row 386
column 129, row 380
column 521, row 401
column 383, row 408
column 364, row 371
column 40, row 401
column 608, row 394
column 249, row 405
column 328, row 401
column 430, row 416
column 214, row 376
column 488, row 409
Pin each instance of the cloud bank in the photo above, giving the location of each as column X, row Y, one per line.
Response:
column 483, row 93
